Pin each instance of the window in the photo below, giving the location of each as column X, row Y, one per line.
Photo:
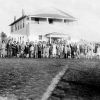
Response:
column 15, row 26
column 23, row 24
column 20, row 24
column 65, row 21
column 50, row 21
column 37, row 20
column 27, row 18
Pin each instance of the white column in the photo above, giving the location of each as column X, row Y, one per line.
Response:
column 47, row 20
column 63, row 20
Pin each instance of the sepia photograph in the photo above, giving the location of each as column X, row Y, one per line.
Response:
column 49, row 49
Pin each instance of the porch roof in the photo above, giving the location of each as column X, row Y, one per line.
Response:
column 57, row 35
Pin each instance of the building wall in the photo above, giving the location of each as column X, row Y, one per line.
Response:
column 32, row 29
column 21, row 33
column 44, row 28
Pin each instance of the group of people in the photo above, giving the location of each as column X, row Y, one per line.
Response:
column 47, row 50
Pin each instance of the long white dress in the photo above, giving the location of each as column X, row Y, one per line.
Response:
column 98, row 51
column 54, row 51
column 3, row 51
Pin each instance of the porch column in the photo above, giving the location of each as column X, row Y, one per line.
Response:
column 63, row 20
column 47, row 20
column 50, row 39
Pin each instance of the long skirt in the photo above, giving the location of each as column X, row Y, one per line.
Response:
column 3, row 53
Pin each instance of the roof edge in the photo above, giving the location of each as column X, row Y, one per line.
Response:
column 20, row 18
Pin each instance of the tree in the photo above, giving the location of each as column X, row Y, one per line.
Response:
column 3, row 36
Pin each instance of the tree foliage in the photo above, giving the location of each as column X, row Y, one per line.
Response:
column 3, row 36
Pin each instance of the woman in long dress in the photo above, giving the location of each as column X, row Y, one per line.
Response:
column 3, row 49
column 98, row 52
column 54, row 51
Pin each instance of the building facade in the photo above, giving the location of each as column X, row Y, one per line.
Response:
column 38, row 26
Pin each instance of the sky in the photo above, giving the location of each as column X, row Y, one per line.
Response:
column 87, row 13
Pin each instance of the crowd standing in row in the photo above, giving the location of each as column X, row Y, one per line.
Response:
column 47, row 50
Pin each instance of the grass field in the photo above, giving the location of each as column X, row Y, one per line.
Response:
column 31, row 77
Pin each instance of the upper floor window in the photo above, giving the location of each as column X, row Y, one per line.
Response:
column 27, row 18
column 50, row 21
column 23, row 25
column 20, row 24
column 37, row 20
column 15, row 27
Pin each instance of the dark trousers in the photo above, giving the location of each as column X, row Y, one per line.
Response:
column 39, row 54
column 72, row 54
column 14, row 53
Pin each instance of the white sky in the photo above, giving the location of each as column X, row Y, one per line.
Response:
column 86, row 11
